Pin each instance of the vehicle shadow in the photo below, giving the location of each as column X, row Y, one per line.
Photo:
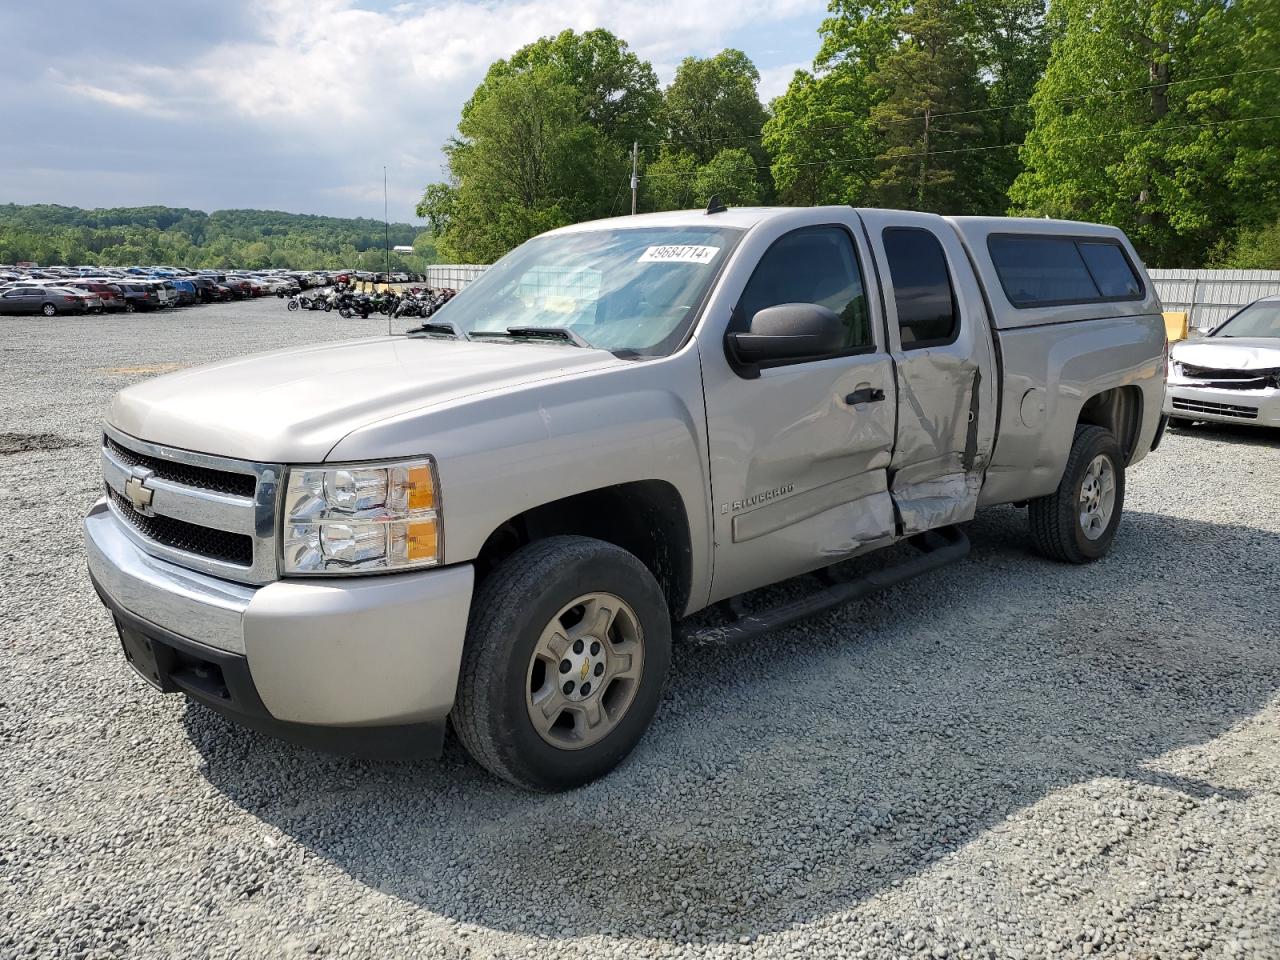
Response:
column 922, row 718
column 1229, row 433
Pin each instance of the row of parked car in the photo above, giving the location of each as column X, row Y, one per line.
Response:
column 55, row 290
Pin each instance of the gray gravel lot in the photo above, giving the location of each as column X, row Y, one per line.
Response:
column 1008, row 758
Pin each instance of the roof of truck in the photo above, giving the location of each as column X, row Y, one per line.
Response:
column 746, row 217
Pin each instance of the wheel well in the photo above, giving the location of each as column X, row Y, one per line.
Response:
column 646, row 518
column 1120, row 411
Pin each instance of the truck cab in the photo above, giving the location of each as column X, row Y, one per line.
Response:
column 505, row 516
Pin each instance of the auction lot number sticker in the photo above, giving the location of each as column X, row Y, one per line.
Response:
column 678, row 253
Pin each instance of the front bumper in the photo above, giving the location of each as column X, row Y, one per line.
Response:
column 362, row 665
column 1250, row 407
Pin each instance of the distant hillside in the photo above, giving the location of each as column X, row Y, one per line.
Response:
column 175, row 236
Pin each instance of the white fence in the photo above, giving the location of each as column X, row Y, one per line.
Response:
column 453, row 275
column 1210, row 296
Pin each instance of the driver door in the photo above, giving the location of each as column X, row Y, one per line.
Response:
column 800, row 449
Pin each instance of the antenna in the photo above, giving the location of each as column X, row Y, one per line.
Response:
column 715, row 206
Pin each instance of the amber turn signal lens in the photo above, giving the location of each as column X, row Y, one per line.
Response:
column 421, row 489
column 421, row 541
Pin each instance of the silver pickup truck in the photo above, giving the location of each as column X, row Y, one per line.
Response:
column 502, row 518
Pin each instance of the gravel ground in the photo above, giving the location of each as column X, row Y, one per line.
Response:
column 1008, row 758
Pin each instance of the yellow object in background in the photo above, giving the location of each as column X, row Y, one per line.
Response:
column 1175, row 325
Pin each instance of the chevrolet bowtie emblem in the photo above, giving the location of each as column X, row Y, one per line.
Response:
column 136, row 489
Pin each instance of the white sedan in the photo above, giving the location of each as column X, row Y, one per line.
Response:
column 1232, row 375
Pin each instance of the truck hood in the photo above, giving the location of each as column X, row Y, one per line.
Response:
column 1229, row 353
column 294, row 405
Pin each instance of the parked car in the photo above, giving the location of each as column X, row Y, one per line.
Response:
column 1232, row 375
column 112, row 299
column 48, row 300
column 554, row 473
column 165, row 293
column 139, row 296
column 185, row 290
column 241, row 288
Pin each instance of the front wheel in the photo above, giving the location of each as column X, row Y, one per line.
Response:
column 49, row 310
column 1078, row 521
column 566, row 654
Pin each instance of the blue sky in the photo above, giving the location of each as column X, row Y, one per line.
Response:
column 297, row 104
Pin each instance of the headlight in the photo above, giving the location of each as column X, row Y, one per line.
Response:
column 361, row 518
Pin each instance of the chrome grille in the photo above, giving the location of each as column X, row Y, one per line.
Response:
column 240, row 484
column 211, row 514
column 234, row 548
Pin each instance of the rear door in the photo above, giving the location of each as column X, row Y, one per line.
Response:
column 940, row 341
column 800, row 452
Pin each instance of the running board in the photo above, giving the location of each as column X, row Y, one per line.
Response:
column 937, row 549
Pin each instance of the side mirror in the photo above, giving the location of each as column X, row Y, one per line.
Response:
column 789, row 331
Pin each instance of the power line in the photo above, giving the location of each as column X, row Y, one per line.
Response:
column 1011, row 106
column 998, row 146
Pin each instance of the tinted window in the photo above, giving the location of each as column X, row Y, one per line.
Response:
column 1110, row 269
column 1038, row 271
column 926, row 304
column 811, row 265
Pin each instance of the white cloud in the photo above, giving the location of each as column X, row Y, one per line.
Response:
column 775, row 80
column 356, row 87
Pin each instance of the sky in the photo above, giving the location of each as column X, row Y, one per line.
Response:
column 297, row 104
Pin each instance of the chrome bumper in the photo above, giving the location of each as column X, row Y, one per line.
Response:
column 364, row 651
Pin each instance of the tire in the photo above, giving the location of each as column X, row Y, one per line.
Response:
column 345, row 313
column 513, row 610
column 293, row 304
column 49, row 310
column 1057, row 521
column 129, row 307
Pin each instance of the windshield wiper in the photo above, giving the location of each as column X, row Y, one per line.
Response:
column 440, row 326
column 561, row 334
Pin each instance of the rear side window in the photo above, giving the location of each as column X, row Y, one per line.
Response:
column 1040, row 271
column 1111, row 270
column 811, row 265
column 926, row 302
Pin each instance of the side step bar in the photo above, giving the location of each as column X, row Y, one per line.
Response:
column 937, row 549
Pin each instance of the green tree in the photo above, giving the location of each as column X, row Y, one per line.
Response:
column 712, row 104
column 1013, row 42
column 1131, row 129
column 926, row 121
column 1255, row 248
column 619, row 91
column 525, row 160
column 729, row 175
column 667, row 183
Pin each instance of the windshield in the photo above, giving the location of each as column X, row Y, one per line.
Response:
column 1261, row 319
column 630, row 291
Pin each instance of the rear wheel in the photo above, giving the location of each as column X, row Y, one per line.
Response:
column 129, row 307
column 566, row 654
column 49, row 310
column 1077, row 522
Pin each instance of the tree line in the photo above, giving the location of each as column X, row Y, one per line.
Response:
column 245, row 239
column 1160, row 117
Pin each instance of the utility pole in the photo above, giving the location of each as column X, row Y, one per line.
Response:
column 635, row 177
column 386, row 222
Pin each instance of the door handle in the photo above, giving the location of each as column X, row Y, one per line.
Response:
column 865, row 395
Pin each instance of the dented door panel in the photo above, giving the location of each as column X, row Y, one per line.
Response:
column 946, row 405
column 799, row 460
